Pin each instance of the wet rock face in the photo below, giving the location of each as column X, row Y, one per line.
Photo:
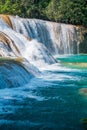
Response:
column 6, row 18
column 5, row 45
column 82, row 39
column 83, row 44
column 83, row 91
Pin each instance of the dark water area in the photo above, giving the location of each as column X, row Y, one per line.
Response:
column 52, row 102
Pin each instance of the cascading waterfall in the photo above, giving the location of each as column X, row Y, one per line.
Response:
column 36, row 41
column 13, row 74
column 37, row 91
column 15, row 44
column 58, row 38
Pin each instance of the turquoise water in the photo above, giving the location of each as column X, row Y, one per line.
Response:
column 73, row 58
column 52, row 102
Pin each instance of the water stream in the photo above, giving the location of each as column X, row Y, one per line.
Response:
column 39, row 88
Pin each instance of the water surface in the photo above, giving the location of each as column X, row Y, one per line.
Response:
column 52, row 102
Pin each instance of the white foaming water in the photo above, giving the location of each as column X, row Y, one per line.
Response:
column 32, row 50
column 58, row 38
column 37, row 54
column 56, row 72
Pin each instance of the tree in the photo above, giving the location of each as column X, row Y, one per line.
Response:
column 67, row 11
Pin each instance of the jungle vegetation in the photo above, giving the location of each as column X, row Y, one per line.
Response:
column 64, row 11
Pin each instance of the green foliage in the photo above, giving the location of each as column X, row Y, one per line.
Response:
column 9, row 7
column 66, row 11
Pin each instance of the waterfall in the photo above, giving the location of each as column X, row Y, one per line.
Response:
column 58, row 38
column 36, row 40
column 13, row 74
column 14, row 44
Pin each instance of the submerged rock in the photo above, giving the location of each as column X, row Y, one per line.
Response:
column 84, row 123
column 84, row 120
column 83, row 91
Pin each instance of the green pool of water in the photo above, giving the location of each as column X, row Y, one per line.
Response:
column 74, row 61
